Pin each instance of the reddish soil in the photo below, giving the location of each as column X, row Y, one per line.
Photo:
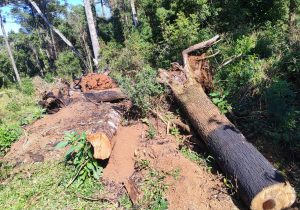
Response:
column 95, row 81
column 195, row 187
column 121, row 163
column 40, row 138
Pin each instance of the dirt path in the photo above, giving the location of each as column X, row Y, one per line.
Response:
column 193, row 188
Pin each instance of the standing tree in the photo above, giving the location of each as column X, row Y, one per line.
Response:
column 134, row 15
column 93, row 32
column 57, row 31
column 13, row 63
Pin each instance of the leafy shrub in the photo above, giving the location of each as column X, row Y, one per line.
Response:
column 13, row 106
column 67, row 64
column 132, row 57
column 270, row 40
column 220, row 101
column 8, row 135
column 81, row 157
column 178, row 35
column 244, row 67
column 141, row 87
column 49, row 77
column 280, row 100
column 27, row 86
column 154, row 189
column 30, row 118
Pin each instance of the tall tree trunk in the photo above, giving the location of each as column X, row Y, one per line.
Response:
column 87, row 50
column 36, row 56
column 93, row 32
column 292, row 15
column 134, row 15
column 102, row 8
column 53, row 43
column 12, row 60
column 57, row 31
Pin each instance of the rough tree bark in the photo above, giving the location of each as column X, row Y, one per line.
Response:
column 102, row 132
column 12, row 60
column 93, row 32
column 260, row 185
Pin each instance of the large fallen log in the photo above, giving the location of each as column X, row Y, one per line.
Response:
column 260, row 185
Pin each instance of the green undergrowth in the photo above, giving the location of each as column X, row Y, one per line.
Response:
column 153, row 186
column 80, row 155
column 197, row 158
column 18, row 107
column 42, row 186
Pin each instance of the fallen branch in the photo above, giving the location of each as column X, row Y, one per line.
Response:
column 205, row 44
column 176, row 122
column 231, row 59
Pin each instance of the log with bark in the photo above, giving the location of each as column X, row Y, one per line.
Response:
column 100, row 133
column 113, row 103
column 260, row 185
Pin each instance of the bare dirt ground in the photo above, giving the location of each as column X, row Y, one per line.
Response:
column 194, row 188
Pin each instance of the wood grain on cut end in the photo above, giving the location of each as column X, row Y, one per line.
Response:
column 274, row 197
column 101, row 144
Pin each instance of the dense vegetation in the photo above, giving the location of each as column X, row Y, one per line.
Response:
column 256, row 67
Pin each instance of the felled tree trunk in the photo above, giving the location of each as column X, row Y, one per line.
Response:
column 99, row 89
column 102, row 132
column 260, row 185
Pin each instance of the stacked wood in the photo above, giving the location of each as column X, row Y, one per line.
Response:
column 260, row 185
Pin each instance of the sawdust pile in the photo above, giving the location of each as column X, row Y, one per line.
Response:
column 95, row 81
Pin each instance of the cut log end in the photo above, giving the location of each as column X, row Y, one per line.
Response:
column 101, row 144
column 274, row 197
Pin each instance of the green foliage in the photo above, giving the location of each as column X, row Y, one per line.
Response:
column 31, row 117
column 8, row 135
column 175, row 131
column 280, row 101
column 141, row 87
column 219, row 99
column 27, row 86
column 191, row 155
column 132, row 57
column 67, row 64
column 196, row 158
column 181, row 34
column 243, row 67
column 143, row 164
column 125, row 202
column 153, row 188
column 151, row 131
column 81, row 157
column 49, row 77
column 17, row 108
column 13, row 106
column 45, row 188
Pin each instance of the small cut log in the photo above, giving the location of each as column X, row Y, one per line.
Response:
column 103, row 130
